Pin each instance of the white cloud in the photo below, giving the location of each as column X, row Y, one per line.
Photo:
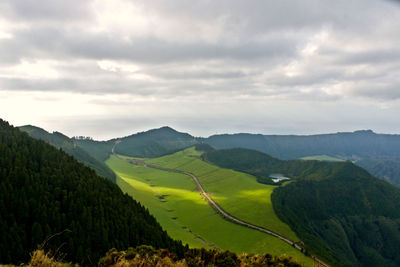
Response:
column 32, row 69
column 268, row 62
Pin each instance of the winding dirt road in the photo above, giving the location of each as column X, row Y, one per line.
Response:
column 217, row 207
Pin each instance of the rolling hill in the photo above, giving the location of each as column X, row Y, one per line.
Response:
column 377, row 153
column 154, row 143
column 45, row 193
column 338, row 209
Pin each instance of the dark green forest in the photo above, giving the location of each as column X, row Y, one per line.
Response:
column 154, row 143
column 59, row 140
column 45, row 192
column 100, row 150
column 339, row 210
column 262, row 165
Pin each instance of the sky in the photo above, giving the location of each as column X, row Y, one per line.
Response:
column 112, row 68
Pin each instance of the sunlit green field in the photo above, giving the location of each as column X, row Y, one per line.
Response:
column 238, row 193
column 172, row 198
column 322, row 158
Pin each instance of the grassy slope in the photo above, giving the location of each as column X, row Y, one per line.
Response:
column 238, row 193
column 322, row 158
column 191, row 211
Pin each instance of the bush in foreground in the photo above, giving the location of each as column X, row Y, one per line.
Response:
column 148, row 256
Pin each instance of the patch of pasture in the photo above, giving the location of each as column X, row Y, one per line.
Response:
column 186, row 216
column 322, row 158
column 238, row 193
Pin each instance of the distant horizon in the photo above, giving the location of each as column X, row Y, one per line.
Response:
column 200, row 136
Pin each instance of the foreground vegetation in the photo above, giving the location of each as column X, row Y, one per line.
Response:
column 45, row 192
column 147, row 256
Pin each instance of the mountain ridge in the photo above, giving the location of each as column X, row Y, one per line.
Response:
column 378, row 153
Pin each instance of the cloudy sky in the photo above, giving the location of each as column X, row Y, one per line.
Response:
column 111, row 68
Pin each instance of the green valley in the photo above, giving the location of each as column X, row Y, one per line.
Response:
column 343, row 215
column 173, row 199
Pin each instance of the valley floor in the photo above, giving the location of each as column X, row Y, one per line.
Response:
column 173, row 199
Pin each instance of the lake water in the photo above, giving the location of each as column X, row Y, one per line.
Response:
column 277, row 177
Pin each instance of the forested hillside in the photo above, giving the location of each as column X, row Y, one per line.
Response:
column 154, row 143
column 339, row 210
column 262, row 165
column 44, row 191
column 99, row 150
column 377, row 153
column 59, row 140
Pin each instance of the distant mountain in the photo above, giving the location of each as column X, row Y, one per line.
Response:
column 48, row 197
column 154, row 143
column 62, row 141
column 338, row 209
column 377, row 153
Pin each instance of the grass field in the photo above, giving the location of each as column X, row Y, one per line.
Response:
column 172, row 198
column 236, row 192
column 322, row 158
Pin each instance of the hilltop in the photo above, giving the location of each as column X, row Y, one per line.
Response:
column 154, row 143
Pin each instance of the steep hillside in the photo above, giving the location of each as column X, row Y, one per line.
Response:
column 44, row 191
column 386, row 168
column 99, row 150
column 339, row 210
column 65, row 143
column 378, row 153
column 154, row 143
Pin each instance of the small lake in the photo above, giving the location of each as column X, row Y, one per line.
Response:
column 277, row 177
